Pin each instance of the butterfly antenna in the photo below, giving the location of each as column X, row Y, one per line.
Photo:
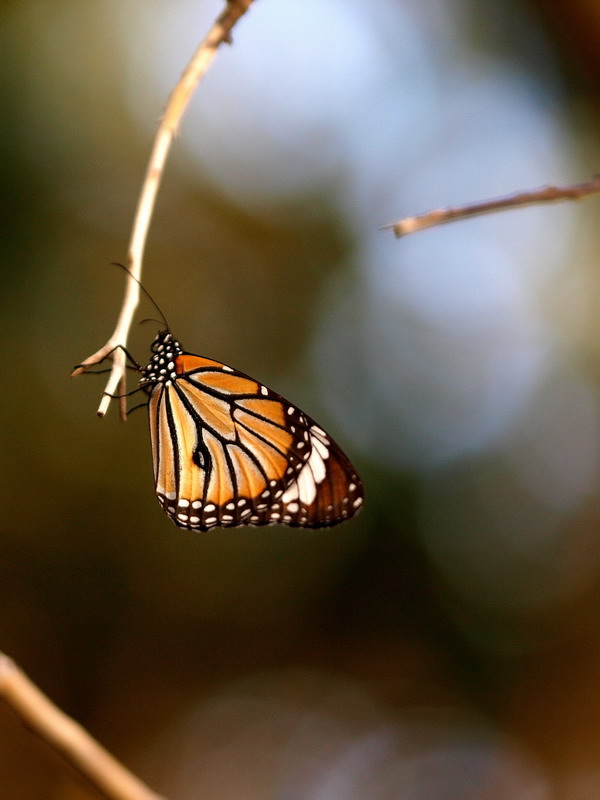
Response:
column 144, row 290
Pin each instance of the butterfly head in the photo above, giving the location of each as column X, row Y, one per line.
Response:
column 162, row 365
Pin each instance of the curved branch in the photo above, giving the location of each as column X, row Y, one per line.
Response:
column 110, row 778
column 178, row 101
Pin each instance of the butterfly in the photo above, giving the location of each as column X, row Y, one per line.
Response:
column 228, row 451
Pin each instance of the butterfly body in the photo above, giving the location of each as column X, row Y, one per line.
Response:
column 228, row 451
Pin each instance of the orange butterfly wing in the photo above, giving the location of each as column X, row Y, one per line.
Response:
column 229, row 451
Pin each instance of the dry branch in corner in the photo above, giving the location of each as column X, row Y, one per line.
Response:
column 69, row 739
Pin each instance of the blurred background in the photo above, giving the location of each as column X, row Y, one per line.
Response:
column 445, row 643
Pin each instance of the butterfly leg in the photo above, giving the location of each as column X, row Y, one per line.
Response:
column 134, row 364
column 103, row 371
column 127, row 394
column 135, row 408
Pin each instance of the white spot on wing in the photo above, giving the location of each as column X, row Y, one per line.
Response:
column 290, row 494
column 307, row 488
column 312, row 473
column 322, row 449
column 316, row 463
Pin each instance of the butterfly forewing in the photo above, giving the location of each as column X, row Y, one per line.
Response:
column 229, row 451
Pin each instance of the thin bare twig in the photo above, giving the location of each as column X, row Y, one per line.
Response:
column 545, row 194
column 178, row 101
column 108, row 776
